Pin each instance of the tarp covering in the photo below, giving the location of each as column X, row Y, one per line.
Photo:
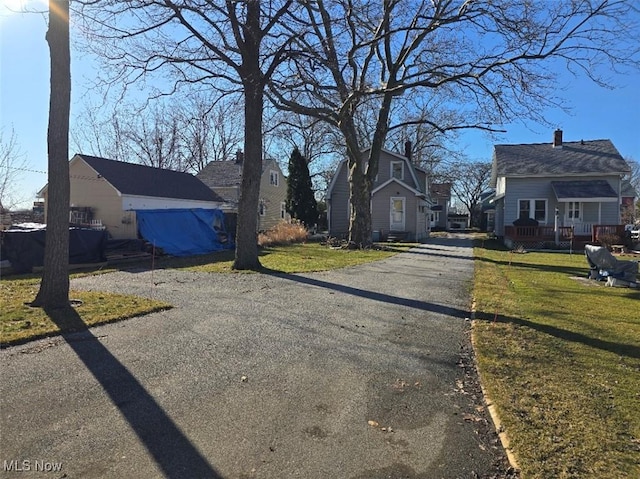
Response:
column 24, row 247
column 602, row 261
column 184, row 232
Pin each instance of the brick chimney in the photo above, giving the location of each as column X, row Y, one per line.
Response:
column 557, row 138
column 239, row 157
column 407, row 150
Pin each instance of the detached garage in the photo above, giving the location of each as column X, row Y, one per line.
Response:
column 105, row 194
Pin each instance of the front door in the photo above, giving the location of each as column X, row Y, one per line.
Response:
column 397, row 214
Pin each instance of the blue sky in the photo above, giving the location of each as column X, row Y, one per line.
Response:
column 597, row 113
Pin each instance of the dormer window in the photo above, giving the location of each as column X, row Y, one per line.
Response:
column 273, row 178
column 397, row 170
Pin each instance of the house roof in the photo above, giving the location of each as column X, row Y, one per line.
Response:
column 141, row 180
column 594, row 190
column 227, row 173
column 593, row 157
column 221, row 173
column 411, row 168
column 440, row 190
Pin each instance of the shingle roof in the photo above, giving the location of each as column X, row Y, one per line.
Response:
column 140, row 180
column 576, row 190
column 221, row 173
column 574, row 158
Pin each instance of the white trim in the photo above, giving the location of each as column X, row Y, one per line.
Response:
column 532, row 211
column 391, row 211
column 588, row 200
column 400, row 183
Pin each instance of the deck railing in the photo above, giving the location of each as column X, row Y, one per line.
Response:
column 538, row 233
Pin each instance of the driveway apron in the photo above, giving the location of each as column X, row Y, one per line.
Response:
column 362, row 372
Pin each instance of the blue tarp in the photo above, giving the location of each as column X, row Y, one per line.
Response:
column 184, row 232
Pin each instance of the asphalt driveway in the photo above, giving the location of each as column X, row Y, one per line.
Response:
column 363, row 372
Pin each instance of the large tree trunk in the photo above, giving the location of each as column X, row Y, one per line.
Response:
column 246, row 256
column 54, row 289
column 360, row 220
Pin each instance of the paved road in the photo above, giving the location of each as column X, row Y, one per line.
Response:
column 355, row 373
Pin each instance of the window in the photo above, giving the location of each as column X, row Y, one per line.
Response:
column 273, row 178
column 536, row 209
column 283, row 210
column 397, row 170
column 262, row 209
column 573, row 210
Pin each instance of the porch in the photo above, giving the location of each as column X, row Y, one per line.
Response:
column 574, row 237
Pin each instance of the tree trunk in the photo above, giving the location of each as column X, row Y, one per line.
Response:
column 54, row 289
column 360, row 221
column 246, row 256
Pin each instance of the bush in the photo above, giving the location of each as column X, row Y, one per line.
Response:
column 609, row 239
column 283, row 233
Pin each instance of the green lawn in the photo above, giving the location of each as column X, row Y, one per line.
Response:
column 560, row 358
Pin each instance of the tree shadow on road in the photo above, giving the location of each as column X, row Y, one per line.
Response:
column 172, row 451
column 375, row 296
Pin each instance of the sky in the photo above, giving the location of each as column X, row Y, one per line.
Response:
column 597, row 113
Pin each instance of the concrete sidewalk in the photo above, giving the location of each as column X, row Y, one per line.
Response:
column 364, row 372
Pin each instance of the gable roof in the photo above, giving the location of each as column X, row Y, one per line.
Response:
column 399, row 183
column 221, row 173
column 595, row 157
column 411, row 167
column 228, row 173
column 140, row 180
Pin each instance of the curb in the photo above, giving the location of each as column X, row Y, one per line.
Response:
column 502, row 434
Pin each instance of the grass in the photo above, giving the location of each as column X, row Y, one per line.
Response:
column 293, row 258
column 20, row 323
column 560, row 358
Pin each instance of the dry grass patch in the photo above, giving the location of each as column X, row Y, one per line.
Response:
column 20, row 323
column 561, row 360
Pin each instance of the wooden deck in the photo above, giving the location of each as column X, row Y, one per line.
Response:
column 544, row 237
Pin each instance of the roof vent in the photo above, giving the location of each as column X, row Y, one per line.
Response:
column 557, row 138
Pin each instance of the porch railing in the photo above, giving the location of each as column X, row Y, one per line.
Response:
column 538, row 233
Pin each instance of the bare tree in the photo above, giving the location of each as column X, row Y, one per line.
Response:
column 225, row 45
column 631, row 214
column 12, row 164
column 54, row 288
column 211, row 131
column 490, row 62
column 468, row 181
column 155, row 138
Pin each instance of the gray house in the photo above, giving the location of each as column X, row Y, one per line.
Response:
column 441, row 197
column 570, row 187
column 400, row 201
column 225, row 178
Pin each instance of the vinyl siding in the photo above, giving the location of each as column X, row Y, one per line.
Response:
column 339, row 204
column 89, row 190
column 381, row 208
column 272, row 196
column 540, row 188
